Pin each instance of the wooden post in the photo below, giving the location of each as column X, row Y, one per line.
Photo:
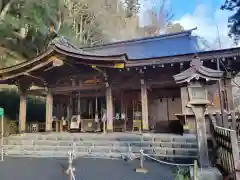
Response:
column 70, row 111
column 189, row 121
column 22, row 111
column 61, row 111
column 104, row 127
column 141, row 169
column 144, row 100
column 109, row 109
column 49, row 110
column 234, row 121
column 225, row 119
column 235, row 151
column 184, row 100
column 69, row 102
column 61, row 114
column 61, row 125
column 57, row 125
column 229, row 95
column 58, row 111
column 219, row 119
column 79, row 110
column 123, row 110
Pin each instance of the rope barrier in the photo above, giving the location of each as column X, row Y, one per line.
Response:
column 163, row 162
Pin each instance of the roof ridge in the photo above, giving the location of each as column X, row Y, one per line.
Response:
column 170, row 35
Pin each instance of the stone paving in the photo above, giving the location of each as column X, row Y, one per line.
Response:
column 86, row 169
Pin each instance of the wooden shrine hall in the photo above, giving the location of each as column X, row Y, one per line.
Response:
column 123, row 86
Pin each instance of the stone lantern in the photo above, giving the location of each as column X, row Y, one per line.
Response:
column 195, row 78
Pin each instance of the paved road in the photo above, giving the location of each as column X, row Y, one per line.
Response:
column 86, row 169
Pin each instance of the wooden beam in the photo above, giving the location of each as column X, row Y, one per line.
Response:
column 77, row 88
column 78, row 77
column 185, row 58
column 116, row 86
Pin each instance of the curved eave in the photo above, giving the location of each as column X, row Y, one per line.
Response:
column 79, row 56
column 197, row 73
column 44, row 60
column 196, row 77
column 26, row 63
column 24, row 71
column 210, row 72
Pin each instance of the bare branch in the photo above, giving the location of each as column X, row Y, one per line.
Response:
column 5, row 10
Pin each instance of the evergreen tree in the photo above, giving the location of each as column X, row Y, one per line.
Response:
column 234, row 20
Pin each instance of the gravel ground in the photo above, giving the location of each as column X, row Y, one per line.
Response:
column 86, row 169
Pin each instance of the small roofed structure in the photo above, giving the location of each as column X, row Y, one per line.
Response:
column 197, row 71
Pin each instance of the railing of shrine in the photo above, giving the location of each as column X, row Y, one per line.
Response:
column 227, row 152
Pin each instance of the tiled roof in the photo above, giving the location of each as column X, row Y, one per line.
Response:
column 62, row 44
column 151, row 47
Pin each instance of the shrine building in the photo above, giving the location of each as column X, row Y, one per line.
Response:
column 122, row 86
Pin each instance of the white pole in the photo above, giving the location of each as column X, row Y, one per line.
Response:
column 2, row 139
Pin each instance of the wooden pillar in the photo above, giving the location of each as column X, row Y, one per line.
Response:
column 49, row 110
column 79, row 112
column 61, row 110
column 58, row 111
column 22, row 111
column 229, row 95
column 144, row 100
column 69, row 110
column 190, row 125
column 109, row 101
column 184, row 99
column 79, row 104
column 123, row 111
column 57, row 125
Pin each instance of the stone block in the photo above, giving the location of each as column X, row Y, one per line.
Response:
column 211, row 173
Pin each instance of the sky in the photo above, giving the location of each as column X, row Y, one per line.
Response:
column 206, row 15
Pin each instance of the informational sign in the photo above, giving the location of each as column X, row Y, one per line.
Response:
column 1, row 111
column 119, row 65
column 2, row 130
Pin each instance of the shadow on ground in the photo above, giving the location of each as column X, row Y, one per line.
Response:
column 86, row 169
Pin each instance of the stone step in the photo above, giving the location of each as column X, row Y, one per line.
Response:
column 101, row 145
column 103, row 149
column 118, row 137
column 106, row 143
column 47, row 154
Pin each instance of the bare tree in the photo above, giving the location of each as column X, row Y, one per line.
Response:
column 97, row 22
column 158, row 18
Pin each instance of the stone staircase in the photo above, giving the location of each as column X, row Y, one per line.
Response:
column 114, row 145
